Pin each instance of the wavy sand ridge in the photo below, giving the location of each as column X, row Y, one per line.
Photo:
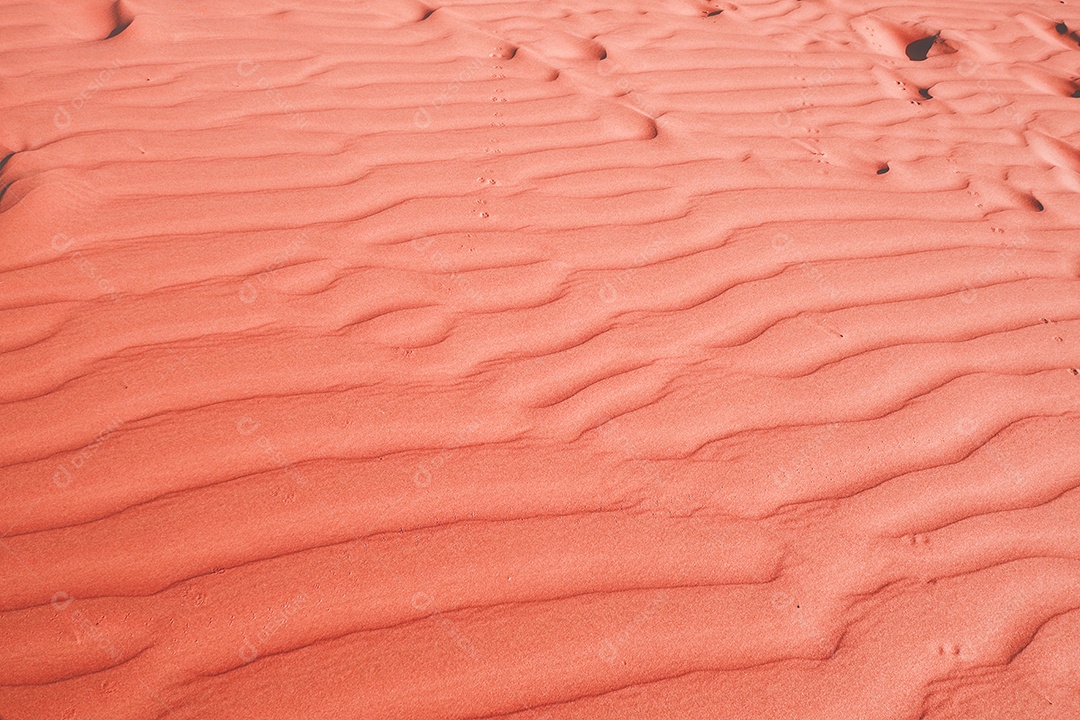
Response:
column 540, row 360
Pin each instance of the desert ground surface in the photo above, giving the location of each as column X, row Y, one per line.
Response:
column 539, row 360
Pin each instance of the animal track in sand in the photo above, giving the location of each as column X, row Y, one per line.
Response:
column 918, row 540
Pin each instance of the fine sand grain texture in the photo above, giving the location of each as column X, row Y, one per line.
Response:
column 539, row 360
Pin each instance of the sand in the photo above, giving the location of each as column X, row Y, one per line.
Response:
column 539, row 360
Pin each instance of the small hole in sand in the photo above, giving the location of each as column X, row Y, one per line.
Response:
column 121, row 19
column 118, row 29
column 925, row 92
column 918, row 49
column 1061, row 28
column 883, row 169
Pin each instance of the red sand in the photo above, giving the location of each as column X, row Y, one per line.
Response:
column 539, row 360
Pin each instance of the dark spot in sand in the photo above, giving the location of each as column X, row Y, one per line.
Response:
column 918, row 49
column 1038, row 205
column 118, row 29
column 4, row 161
column 1075, row 371
column 1061, row 28
column 714, row 13
column 1076, row 93
column 121, row 19
column 925, row 92
column 883, row 169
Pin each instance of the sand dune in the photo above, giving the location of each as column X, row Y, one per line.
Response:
column 535, row 360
